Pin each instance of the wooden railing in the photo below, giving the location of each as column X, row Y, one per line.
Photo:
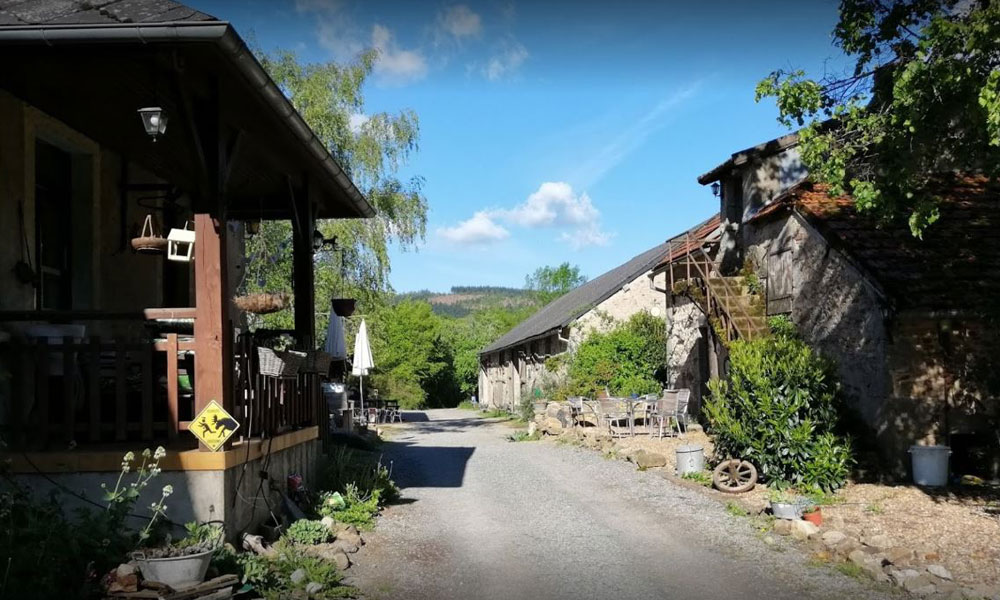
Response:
column 94, row 390
column 268, row 405
column 697, row 268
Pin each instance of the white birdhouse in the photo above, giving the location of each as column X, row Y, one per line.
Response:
column 180, row 244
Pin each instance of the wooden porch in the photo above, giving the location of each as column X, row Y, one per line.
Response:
column 102, row 393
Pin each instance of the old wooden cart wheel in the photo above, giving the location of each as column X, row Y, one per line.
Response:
column 734, row 476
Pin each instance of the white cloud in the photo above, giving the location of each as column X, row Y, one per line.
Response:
column 506, row 61
column 460, row 21
column 554, row 205
column 479, row 229
column 396, row 65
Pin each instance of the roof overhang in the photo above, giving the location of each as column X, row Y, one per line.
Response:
column 94, row 77
column 745, row 156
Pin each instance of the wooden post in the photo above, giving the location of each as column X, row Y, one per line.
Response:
column 172, row 387
column 212, row 328
column 303, row 276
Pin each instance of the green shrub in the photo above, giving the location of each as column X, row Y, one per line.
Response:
column 308, row 532
column 628, row 359
column 290, row 573
column 778, row 409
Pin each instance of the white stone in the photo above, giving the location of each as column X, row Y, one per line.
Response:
column 833, row 538
column 298, row 576
column 939, row 571
column 801, row 530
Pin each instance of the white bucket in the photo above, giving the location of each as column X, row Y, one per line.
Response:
column 930, row 465
column 690, row 459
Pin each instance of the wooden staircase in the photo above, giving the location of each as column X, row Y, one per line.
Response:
column 732, row 310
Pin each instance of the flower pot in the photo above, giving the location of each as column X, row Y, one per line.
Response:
column 791, row 511
column 814, row 516
column 344, row 307
column 176, row 571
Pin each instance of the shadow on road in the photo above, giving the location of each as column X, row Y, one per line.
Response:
column 427, row 466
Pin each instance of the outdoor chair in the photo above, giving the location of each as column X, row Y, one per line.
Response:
column 392, row 412
column 671, row 410
column 612, row 411
column 575, row 409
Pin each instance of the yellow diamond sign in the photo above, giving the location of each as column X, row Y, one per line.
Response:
column 213, row 426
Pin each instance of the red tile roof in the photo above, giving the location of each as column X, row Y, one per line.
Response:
column 955, row 266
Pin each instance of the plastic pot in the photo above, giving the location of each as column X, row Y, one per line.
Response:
column 814, row 516
column 930, row 465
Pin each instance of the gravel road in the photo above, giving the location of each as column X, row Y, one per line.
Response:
column 486, row 518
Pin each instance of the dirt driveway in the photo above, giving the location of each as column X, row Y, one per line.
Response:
column 486, row 518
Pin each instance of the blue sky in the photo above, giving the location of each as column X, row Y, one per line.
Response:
column 556, row 131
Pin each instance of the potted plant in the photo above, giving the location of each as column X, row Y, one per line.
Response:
column 343, row 307
column 813, row 514
column 182, row 563
column 785, row 504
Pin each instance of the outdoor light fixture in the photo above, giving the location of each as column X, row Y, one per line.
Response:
column 715, row 188
column 154, row 121
column 319, row 241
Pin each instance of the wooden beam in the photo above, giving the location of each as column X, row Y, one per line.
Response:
column 303, row 275
column 212, row 327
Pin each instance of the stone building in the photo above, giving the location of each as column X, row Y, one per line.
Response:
column 910, row 323
column 514, row 365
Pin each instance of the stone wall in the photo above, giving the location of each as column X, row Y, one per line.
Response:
column 508, row 375
column 836, row 309
column 686, row 349
column 635, row 296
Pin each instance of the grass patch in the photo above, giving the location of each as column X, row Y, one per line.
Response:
column 524, row 436
column 874, row 508
column 736, row 509
column 497, row 413
column 850, row 569
column 467, row 405
column 700, row 477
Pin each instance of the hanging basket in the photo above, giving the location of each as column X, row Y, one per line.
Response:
column 262, row 303
column 148, row 241
column 277, row 363
column 317, row 361
column 344, row 307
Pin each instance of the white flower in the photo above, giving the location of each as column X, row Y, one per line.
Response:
column 146, row 453
column 129, row 457
column 126, row 468
column 167, row 490
column 160, row 453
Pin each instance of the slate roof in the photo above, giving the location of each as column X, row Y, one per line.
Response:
column 109, row 12
column 742, row 157
column 956, row 266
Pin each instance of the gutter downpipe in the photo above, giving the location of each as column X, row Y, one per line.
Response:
column 223, row 35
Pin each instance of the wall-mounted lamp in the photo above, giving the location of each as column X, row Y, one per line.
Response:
column 319, row 241
column 154, row 120
column 716, row 188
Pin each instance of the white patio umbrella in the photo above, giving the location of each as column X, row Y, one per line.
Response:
column 362, row 358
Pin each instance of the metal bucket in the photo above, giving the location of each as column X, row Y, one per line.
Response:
column 690, row 459
column 176, row 571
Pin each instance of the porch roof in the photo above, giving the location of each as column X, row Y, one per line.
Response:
column 232, row 133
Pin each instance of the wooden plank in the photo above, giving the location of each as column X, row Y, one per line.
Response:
column 69, row 382
column 183, row 345
column 170, row 313
column 147, row 392
column 172, row 387
column 94, row 389
column 120, row 400
column 212, row 327
column 42, row 389
column 65, row 316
